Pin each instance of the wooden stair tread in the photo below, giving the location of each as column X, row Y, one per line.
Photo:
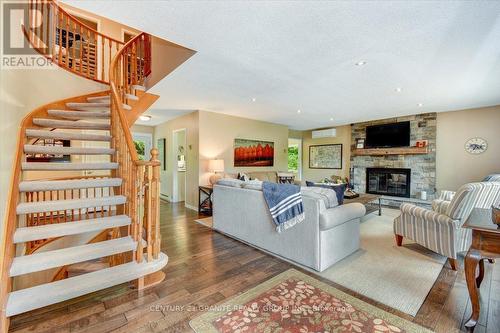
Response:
column 46, row 134
column 56, row 258
column 56, row 123
column 27, row 234
column 50, row 293
column 52, row 185
column 59, row 150
column 61, row 205
column 68, row 166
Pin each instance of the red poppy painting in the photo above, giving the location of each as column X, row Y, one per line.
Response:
column 253, row 153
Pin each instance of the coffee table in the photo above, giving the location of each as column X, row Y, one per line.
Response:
column 372, row 202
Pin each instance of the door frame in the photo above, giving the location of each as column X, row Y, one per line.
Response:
column 175, row 181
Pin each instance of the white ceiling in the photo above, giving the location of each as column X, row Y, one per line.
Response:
column 302, row 55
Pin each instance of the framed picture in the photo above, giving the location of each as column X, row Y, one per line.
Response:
column 253, row 153
column 162, row 153
column 325, row 156
column 360, row 143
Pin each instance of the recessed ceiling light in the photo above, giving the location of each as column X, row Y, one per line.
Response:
column 298, row 111
column 360, row 63
column 145, row 118
column 420, row 105
column 254, row 99
column 331, row 119
column 398, row 89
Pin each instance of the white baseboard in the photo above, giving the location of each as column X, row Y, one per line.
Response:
column 191, row 207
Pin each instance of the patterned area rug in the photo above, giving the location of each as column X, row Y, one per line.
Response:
column 297, row 303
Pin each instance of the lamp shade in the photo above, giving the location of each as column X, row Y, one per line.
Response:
column 216, row 165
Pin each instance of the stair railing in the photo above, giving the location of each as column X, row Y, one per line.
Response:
column 141, row 179
column 68, row 42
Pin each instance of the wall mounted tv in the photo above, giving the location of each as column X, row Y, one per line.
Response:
column 388, row 135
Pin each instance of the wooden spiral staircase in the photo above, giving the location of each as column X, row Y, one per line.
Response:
column 121, row 201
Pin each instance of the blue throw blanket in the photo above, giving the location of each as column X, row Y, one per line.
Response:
column 285, row 204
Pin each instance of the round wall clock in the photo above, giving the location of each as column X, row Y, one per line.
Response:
column 476, row 146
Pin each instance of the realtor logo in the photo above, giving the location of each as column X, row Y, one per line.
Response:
column 21, row 20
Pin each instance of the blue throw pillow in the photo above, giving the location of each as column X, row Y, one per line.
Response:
column 339, row 189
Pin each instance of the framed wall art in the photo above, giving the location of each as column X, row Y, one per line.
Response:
column 325, row 156
column 253, row 153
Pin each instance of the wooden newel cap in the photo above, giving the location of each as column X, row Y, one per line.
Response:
column 154, row 154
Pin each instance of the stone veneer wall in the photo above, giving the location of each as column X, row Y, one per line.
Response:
column 423, row 167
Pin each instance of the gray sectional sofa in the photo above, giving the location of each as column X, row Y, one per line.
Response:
column 323, row 238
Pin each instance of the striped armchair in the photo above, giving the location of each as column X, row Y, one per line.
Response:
column 440, row 229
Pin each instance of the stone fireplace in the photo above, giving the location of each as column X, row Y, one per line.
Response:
column 422, row 174
column 388, row 181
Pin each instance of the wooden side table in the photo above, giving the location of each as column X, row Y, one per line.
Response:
column 485, row 246
column 205, row 199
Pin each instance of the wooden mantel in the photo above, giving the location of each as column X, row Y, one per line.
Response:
column 390, row 151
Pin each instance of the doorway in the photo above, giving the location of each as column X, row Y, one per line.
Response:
column 179, row 165
column 295, row 157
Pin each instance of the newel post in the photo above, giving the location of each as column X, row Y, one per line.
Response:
column 155, row 193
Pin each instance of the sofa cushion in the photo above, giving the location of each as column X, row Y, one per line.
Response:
column 333, row 217
column 268, row 176
column 230, row 182
column 338, row 188
column 253, row 185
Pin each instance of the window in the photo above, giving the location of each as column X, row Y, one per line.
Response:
column 295, row 156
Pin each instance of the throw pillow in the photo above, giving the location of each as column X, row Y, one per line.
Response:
column 338, row 188
column 243, row 176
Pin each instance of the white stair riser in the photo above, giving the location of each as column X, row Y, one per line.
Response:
column 55, row 123
column 79, row 114
column 38, row 149
column 61, row 205
column 24, row 300
column 53, row 185
column 98, row 99
column 68, row 166
column 28, row 234
column 67, row 256
column 45, row 134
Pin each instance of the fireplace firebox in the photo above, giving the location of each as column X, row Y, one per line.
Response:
column 388, row 181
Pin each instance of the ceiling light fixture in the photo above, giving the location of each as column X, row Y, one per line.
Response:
column 420, row 105
column 398, row 89
column 360, row 63
column 254, row 99
column 298, row 111
column 145, row 118
column 331, row 119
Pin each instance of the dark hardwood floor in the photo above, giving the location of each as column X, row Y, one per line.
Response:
column 206, row 268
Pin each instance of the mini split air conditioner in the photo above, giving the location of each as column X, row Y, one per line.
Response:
column 326, row 133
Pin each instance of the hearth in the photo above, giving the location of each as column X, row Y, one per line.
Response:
column 388, row 181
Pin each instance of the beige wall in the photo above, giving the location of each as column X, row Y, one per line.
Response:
column 454, row 166
column 343, row 137
column 217, row 134
column 143, row 129
column 165, row 130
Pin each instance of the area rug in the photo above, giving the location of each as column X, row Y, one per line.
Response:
column 207, row 221
column 297, row 303
column 400, row 277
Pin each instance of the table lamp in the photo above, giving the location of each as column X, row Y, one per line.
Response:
column 215, row 166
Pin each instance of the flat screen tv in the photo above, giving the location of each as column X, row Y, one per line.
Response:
column 388, row 135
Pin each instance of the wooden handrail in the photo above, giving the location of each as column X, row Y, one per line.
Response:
column 55, row 34
column 129, row 68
